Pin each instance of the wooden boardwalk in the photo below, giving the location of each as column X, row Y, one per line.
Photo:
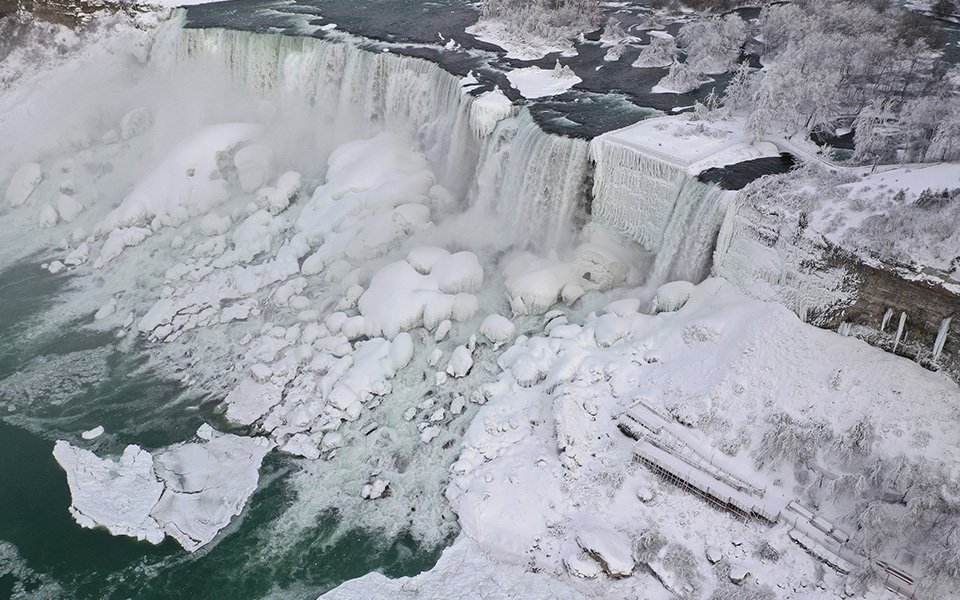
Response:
column 673, row 452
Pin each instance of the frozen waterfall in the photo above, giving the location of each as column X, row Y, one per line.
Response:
column 658, row 204
column 532, row 180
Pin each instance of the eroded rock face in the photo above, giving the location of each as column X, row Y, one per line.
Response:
column 769, row 254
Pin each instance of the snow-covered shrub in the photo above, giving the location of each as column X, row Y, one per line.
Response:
column 660, row 52
column 787, row 439
column 681, row 78
column 648, row 545
column 713, row 45
column 681, row 572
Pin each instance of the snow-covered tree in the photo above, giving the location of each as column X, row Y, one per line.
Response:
column 545, row 19
column 680, row 79
column 661, row 52
column 713, row 45
column 738, row 95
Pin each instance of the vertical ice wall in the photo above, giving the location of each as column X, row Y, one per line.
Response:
column 658, row 204
column 531, row 179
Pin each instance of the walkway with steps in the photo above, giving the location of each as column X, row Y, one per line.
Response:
column 675, row 453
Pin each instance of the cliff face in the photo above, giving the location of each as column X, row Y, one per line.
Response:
column 770, row 253
column 883, row 296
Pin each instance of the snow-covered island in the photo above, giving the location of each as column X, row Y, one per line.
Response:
column 427, row 330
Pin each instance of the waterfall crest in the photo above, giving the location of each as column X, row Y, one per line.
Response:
column 532, row 180
column 658, row 204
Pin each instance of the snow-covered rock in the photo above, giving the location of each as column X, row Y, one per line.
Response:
column 23, row 183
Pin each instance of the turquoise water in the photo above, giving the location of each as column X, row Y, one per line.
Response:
column 61, row 381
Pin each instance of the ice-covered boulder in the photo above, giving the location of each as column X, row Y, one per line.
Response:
column 213, row 224
column 672, row 296
column 23, row 183
column 461, row 361
column 68, row 208
column 498, row 329
column 609, row 548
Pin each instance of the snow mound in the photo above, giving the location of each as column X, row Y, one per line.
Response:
column 187, row 182
column 401, row 298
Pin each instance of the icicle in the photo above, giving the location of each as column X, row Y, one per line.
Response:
column 634, row 194
column 886, row 319
column 903, row 321
column 844, row 329
column 941, row 338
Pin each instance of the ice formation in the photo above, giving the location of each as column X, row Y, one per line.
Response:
column 357, row 301
column 189, row 491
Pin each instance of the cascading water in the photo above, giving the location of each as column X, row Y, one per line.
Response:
column 656, row 203
column 532, row 180
column 690, row 236
column 359, row 91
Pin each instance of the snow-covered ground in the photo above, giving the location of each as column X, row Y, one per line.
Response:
column 309, row 252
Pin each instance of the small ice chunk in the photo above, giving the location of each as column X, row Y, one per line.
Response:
column 55, row 267
column 401, row 351
column 106, row 310
column 251, row 400
column 48, row 216
column 429, row 434
column 458, row 404
column 92, row 434
column 461, row 361
column 442, row 330
column 714, row 554
column 498, row 329
column 374, row 490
